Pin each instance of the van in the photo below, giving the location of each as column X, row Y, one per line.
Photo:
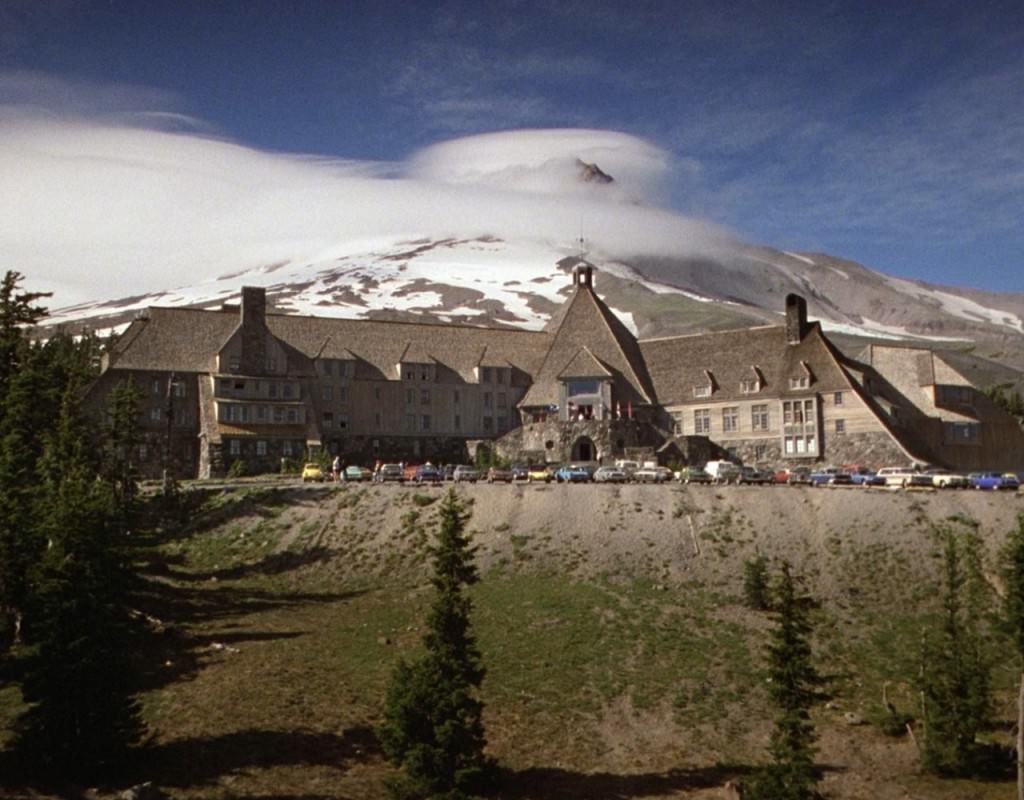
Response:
column 722, row 471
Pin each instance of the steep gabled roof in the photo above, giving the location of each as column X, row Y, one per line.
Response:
column 586, row 321
column 584, row 365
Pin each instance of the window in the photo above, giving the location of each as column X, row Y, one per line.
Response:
column 261, row 447
column 425, row 422
column 759, row 417
column 485, row 375
column 410, row 373
column 154, row 414
column 328, row 367
column 377, row 421
column 455, row 397
column 376, row 393
column 143, row 452
column 342, row 422
column 961, row 432
column 410, row 422
column 730, row 419
column 325, row 393
column 799, row 382
column 702, row 421
column 328, row 419
column 837, row 399
column 959, row 395
column 502, row 400
column 424, row 373
column 488, row 400
column 500, row 375
column 156, row 386
column 179, row 388
column 342, row 394
column 677, row 422
column 424, row 397
column 278, row 414
column 342, row 369
column 293, row 415
column 273, row 389
column 488, row 424
column 410, row 397
column 235, row 447
column 457, row 424
column 840, row 427
column 234, row 364
column 750, row 386
column 271, row 365
column 502, row 424
column 286, row 390
column 702, row 391
column 286, row 448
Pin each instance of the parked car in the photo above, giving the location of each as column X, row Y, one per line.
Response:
column 573, row 473
column 841, row 479
column 722, row 471
column 897, row 476
column 465, row 473
column 389, row 473
column 538, row 473
column 409, row 471
column 520, row 472
column 694, row 475
column 994, row 480
column 629, row 467
column 428, row 473
column 499, row 474
column 947, row 479
column 313, row 473
column 866, row 477
column 822, row 475
column 653, row 475
column 799, row 476
column 752, row 475
column 356, row 474
column 610, row 475
column 448, row 470
column 918, row 480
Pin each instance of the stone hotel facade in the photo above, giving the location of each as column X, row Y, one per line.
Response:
column 239, row 384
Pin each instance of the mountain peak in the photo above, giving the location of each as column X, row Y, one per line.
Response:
column 591, row 173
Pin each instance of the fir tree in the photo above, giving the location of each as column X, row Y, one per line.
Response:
column 432, row 717
column 1013, row 611
column 17, row 310
column 121, row 436
column 955, row 674
column 794, row 690
column 756, row 590
column 82, row 717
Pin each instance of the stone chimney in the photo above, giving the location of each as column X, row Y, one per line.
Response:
column 583, row 275
column 796, row 318
column 253, row 325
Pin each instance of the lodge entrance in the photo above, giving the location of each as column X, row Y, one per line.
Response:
column 584, row 450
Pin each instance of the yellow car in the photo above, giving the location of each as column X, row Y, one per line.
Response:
column 313, row 472
column 539, row 473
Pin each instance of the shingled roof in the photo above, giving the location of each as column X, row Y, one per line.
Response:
column 677, row 364
column 585, row 321
column 584, row 365
column 187, row 339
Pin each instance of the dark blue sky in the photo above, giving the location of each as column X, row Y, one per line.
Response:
column 889, row 133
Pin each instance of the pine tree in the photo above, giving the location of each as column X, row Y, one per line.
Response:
column 756, row 591
column 955, row 675
column 17, row 310
column 121, row 436
column 1013, row 611
column 433, row 725
column 794, row 690
column 82, row 717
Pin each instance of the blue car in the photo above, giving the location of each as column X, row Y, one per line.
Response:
column 573, row 473
column 428, row 474
column 994, row 480
column 824, row 475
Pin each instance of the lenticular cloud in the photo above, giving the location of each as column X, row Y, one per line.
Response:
column 93, row 209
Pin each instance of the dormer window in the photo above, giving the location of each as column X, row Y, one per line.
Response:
column 750, row 386
column 235, row 364
column 799, row 382
column 702, row 391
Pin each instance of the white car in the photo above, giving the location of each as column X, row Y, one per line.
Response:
column 947, row 479
column 897, row 476
column 610, row 475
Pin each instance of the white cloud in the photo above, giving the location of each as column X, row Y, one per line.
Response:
column 94, row 209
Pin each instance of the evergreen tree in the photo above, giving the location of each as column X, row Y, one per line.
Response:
column 756, row 590
column 955, row 675
column 432, row 718
column 82, row 717
column 1013, row 609
column 794, row 690
column 121, row 436
column 17, row 310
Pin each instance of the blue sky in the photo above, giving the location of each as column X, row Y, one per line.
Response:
column 889, row 133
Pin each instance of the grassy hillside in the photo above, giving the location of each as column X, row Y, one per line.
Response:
column 621, row 661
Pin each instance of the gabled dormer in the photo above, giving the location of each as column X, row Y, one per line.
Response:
column 416, row 364
column 753, row 381
column 707, row 387
column 252, row 349
column 802, row 377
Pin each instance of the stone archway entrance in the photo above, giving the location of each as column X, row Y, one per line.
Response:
column 583, row 449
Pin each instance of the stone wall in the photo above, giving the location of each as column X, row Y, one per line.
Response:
column 874, row 449
column 552, row 441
